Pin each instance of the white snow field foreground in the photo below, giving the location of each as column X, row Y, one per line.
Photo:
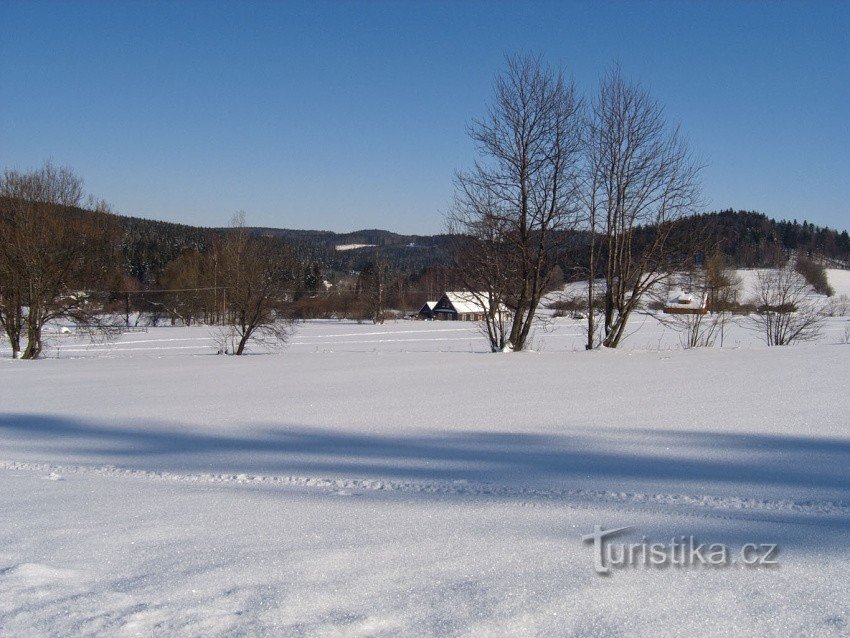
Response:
column 397, row 480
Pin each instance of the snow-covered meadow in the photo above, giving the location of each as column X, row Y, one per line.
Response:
column 399, row 480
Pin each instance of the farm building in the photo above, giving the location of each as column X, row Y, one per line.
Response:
column 463, row 306
column 427, row 310
column 685, row 303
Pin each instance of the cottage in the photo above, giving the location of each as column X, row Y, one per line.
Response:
column 464, row 306
column 685, row 303
column 427, row 310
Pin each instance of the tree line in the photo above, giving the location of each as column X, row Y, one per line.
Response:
column 57, row 264
column 748, row 239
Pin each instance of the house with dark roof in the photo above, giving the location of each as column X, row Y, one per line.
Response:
column 464, row 306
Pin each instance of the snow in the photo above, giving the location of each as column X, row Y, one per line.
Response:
column 467, row 302
column 839, row 280
column 353, row 246
column 680, row 299
column 396, row 480
column 563, row 334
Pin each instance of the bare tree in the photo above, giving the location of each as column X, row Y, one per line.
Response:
column 512, row 209
column 372, row 287
column 185, row 280
column 12, row 280
column 50, row 256
column 722, row 283
column 696, row 330
column 640, row 177
column 257, row 274
column 486, row 264
column 786, row 310
column 11, row 304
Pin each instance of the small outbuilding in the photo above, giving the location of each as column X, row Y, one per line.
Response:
column 685, row 303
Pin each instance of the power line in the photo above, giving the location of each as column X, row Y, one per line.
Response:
column 217, row 288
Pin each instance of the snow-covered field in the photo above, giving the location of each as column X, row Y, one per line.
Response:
column 562, row 334
column 398, row 480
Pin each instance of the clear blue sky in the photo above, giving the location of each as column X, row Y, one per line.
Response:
column 349, row 115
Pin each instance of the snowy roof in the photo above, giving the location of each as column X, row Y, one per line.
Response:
column 686, row 301
column 467, row 302
column 464, row 302
column 430, row 304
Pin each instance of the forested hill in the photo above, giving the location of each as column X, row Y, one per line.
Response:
column 749, row 239
column 149, row 245
column 753, row 239
column 351, row 252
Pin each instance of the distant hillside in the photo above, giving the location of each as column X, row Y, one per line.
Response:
column 406, row 253
column 752, row 240
column 749, row 239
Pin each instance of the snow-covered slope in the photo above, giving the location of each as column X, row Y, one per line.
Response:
column 839, row 280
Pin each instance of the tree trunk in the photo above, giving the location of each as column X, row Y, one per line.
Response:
column 615, row 334
column 591, row 328
column 242, row 343
column 12, row 327
column 591, row 277
column 34, row 344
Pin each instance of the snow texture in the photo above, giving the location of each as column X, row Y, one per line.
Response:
column 396, row 480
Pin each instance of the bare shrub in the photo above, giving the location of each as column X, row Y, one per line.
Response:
column 837, row 306
column 785, row 310
column 568, row 305
column 257, row 274
column 815, row 274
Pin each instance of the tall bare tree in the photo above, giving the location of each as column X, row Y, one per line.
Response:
column 640, row 174
column 258, row 275
column 372, row 287
column 512, row 210
column 50, row 255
